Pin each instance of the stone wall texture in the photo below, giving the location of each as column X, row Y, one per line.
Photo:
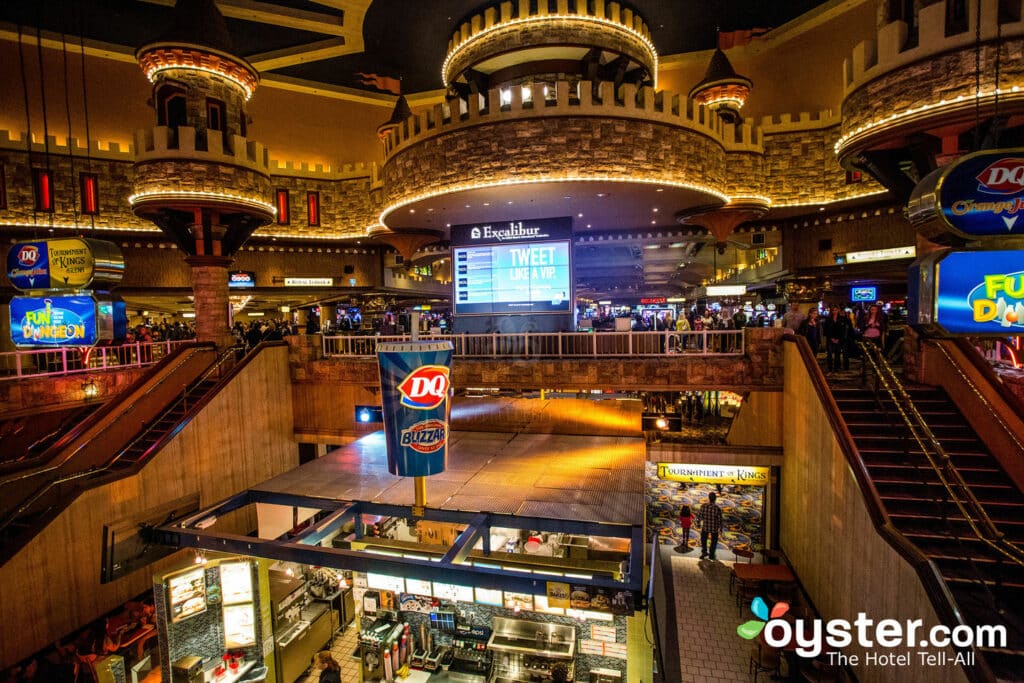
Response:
column 555, row 147
column 926, row 82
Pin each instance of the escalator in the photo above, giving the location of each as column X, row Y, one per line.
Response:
column 26, row 438
column 946, row 493
column 115, row 442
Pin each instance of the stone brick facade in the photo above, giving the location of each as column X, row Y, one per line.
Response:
column 346, row 206
column 199, row 86
column 925, row 82
column 552, row 148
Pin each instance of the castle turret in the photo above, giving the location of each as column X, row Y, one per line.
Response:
column 197, row 176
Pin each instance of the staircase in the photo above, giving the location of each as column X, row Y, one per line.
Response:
column 47, row 491
column 987, row 587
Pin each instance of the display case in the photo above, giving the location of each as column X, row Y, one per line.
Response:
column 186, row 594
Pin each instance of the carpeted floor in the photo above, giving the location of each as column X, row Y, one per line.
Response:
column 741, row 511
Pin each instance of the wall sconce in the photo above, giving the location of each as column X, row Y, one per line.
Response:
column 90, row 390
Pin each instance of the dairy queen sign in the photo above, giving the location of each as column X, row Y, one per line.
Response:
column 979, row 195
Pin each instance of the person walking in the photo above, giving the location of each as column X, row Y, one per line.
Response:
column 686, row 521
column 709, row 518
column 330, row 670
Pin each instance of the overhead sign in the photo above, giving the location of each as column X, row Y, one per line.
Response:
column 980, row 293
column 713, row 474
column 416, row 390
column 653, row 300
column 863, row 293
column 53, row 321
column 881, row 254
column 503, row 232
column 309, row 282
column 980, row 194
column 726, row 290
column 514, row 278
column 241, row 279
column 64, row 264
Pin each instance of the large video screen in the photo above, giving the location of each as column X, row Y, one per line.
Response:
column 514, row 278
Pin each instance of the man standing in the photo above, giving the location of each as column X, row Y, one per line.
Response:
column 710, row 519
column 791, row 321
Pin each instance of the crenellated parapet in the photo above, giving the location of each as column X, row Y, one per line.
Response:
column 532, row 102
column 897, row 82
column 99, row 149
column 301, row 169
column 163, row 142
column 510, row 25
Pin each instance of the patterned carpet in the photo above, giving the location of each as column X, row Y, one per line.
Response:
column 741, row 511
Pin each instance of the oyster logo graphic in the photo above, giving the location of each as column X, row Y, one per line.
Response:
column 752, row 629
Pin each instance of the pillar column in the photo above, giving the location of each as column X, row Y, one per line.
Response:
column 302, row 317
column 328, row 316
column 210, row 289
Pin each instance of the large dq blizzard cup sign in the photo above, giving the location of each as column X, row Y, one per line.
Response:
column 979, row 195
column 53, row 321
column 415, row 380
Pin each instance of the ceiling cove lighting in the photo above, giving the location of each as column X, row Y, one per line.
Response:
column 464, row 187
column 552, row 18
column 818, row 202
column 909, row 114
column 190, row 195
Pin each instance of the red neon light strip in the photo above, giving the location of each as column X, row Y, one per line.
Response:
column 282, row 207
column 314, row 208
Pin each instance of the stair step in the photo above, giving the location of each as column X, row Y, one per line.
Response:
column 911, row 524
column 931, row 489
column 910, row 475
column 1005, row 664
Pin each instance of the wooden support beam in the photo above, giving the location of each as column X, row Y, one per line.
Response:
column 52, row 41
column 301, row 54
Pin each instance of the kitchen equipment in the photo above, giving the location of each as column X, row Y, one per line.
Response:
column 188, row 669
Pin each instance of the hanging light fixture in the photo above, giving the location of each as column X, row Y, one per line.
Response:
column 723, row 91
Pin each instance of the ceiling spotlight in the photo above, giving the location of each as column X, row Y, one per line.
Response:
column 660, row 189
column 510, row 201
column 412, row 210
column 661, row 423
column 588, row 225
column 602, row 194
column 580, row 215
column 655, row 209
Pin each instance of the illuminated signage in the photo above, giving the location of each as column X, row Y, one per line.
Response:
column 980, row 293
column 726, row 290
column 241, row 279
column 713, row 474
column 864, row 294
column 525, row 278
column 309, row 282
column 53, row 321
column 978, row 195
column 881, row 254
column 653, row 300
column 64, row 264
column 543, row 229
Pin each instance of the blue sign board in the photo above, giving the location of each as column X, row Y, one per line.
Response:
column 241, row 279
column 980, row 293
column 864, row 294
column 53, row 321
column 415, row 379
column 979, row 195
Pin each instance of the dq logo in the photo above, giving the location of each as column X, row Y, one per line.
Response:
column 425, row 387
column 428, row 436
column 28, row 255
column 1005, row 176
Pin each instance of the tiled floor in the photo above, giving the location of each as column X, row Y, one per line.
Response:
column 344, row 643
column 710, row 651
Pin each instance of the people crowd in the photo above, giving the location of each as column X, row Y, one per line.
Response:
column 838, row 332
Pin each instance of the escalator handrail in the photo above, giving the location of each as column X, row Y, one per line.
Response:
column 966, row 502
column 106, row 411
column 935, row 586
column 983, row 367
column 199, row 405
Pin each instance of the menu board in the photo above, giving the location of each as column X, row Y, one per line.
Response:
column 487, row 596
column 520, row 600
column 187, row 594
column 450, row 591
column 513, row 278
column 239, row 626
column 236, row 582
column 384, row 582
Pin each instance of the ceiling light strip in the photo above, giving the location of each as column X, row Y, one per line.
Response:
column 192, row 195
column 550, row 17
column 465, row 187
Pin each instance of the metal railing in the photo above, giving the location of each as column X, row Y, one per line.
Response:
column 557, row 344
column 15, row 365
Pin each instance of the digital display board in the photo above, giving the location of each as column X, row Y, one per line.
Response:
column 864, row 294
column 980, row 293
column 53, row 321
column 533, row 277
column 241, row 279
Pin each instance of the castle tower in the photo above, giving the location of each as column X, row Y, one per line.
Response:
column 197, row 176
